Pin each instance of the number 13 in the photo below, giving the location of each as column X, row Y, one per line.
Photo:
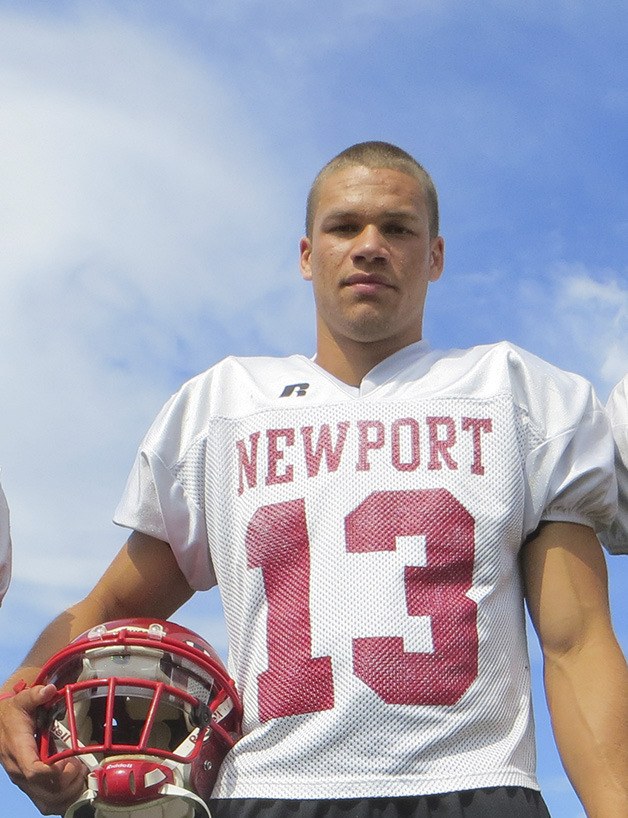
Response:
column 296, row 682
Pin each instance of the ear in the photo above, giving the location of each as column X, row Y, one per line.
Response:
column 437, row 258
column 305, row 249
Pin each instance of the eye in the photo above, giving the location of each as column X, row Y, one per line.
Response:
column 343, row 228
column 397, row 229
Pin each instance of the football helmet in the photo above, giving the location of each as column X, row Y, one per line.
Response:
column 149, row 709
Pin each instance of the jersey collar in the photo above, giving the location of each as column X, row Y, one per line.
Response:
column 384, row 372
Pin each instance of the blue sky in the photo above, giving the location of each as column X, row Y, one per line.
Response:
column 154, row 161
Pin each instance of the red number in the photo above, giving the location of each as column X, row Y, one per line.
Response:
column 437, row 590
column 295, row 682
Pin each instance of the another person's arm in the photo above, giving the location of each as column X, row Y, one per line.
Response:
column 5, row 546
column 586, row 678
column 143, row 580
column 615, row 538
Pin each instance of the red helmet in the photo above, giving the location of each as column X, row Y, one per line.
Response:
column 150, row 710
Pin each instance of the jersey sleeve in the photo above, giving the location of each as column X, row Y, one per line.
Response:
column 569, row 469
column 155, row 501
column 615, row 538
column 5, row 546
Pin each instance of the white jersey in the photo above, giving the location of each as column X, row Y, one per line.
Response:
column 5, row 546
column 365, row 541
column 616, row 538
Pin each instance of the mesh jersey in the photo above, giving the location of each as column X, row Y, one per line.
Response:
column 365, row 542
column 616, row 538
column 5, row 546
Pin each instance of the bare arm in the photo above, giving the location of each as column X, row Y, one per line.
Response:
column 586, row 679
column 143, row 580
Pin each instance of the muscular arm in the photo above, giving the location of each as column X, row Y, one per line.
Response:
column 143, row 580
column 586, row 679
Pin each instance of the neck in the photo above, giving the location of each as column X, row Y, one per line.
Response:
column 349, row 360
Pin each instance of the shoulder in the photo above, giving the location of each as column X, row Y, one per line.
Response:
column 506, row 367
column 556, row 401
column 527, row 365
column 233, row 383
column 504, row 356
column 535, row 374
column 233, row 387
column 549, row 401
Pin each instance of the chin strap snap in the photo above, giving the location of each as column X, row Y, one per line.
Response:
column 136, row 788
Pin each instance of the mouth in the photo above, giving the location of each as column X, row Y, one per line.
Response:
column 366, row 283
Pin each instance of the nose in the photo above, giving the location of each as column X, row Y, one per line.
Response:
column 370, row 246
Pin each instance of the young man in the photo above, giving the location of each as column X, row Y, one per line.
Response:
column 375, row 518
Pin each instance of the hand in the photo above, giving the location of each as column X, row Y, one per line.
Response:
column 52, row 788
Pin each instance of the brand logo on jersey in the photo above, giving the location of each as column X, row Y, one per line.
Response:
column 298, row 389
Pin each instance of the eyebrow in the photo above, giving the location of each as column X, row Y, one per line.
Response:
column 389, row 214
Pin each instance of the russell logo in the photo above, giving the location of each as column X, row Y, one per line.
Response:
column 298, row 389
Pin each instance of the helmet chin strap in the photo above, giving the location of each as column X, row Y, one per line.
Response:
column 174, row 802
column 62, row 734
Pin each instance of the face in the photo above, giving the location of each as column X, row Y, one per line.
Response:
column 370, row 258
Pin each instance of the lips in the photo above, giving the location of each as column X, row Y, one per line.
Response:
column 366, row 282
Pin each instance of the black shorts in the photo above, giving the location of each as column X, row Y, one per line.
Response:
column 493, row 802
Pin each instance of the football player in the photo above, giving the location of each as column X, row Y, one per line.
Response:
column 376, row 517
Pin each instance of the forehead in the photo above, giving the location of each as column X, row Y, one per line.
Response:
column 364, row 190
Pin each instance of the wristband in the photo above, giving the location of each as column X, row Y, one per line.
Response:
column 17, row 688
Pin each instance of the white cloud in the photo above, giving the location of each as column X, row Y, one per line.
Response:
column 137, row 209
column 587, row 325
column 108, row 153
column 573, row 315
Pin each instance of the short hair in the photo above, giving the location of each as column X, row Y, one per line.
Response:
column 376, row 155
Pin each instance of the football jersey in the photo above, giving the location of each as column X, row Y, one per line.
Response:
column 5, row 546
column 365, row 542
column 616, row 538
